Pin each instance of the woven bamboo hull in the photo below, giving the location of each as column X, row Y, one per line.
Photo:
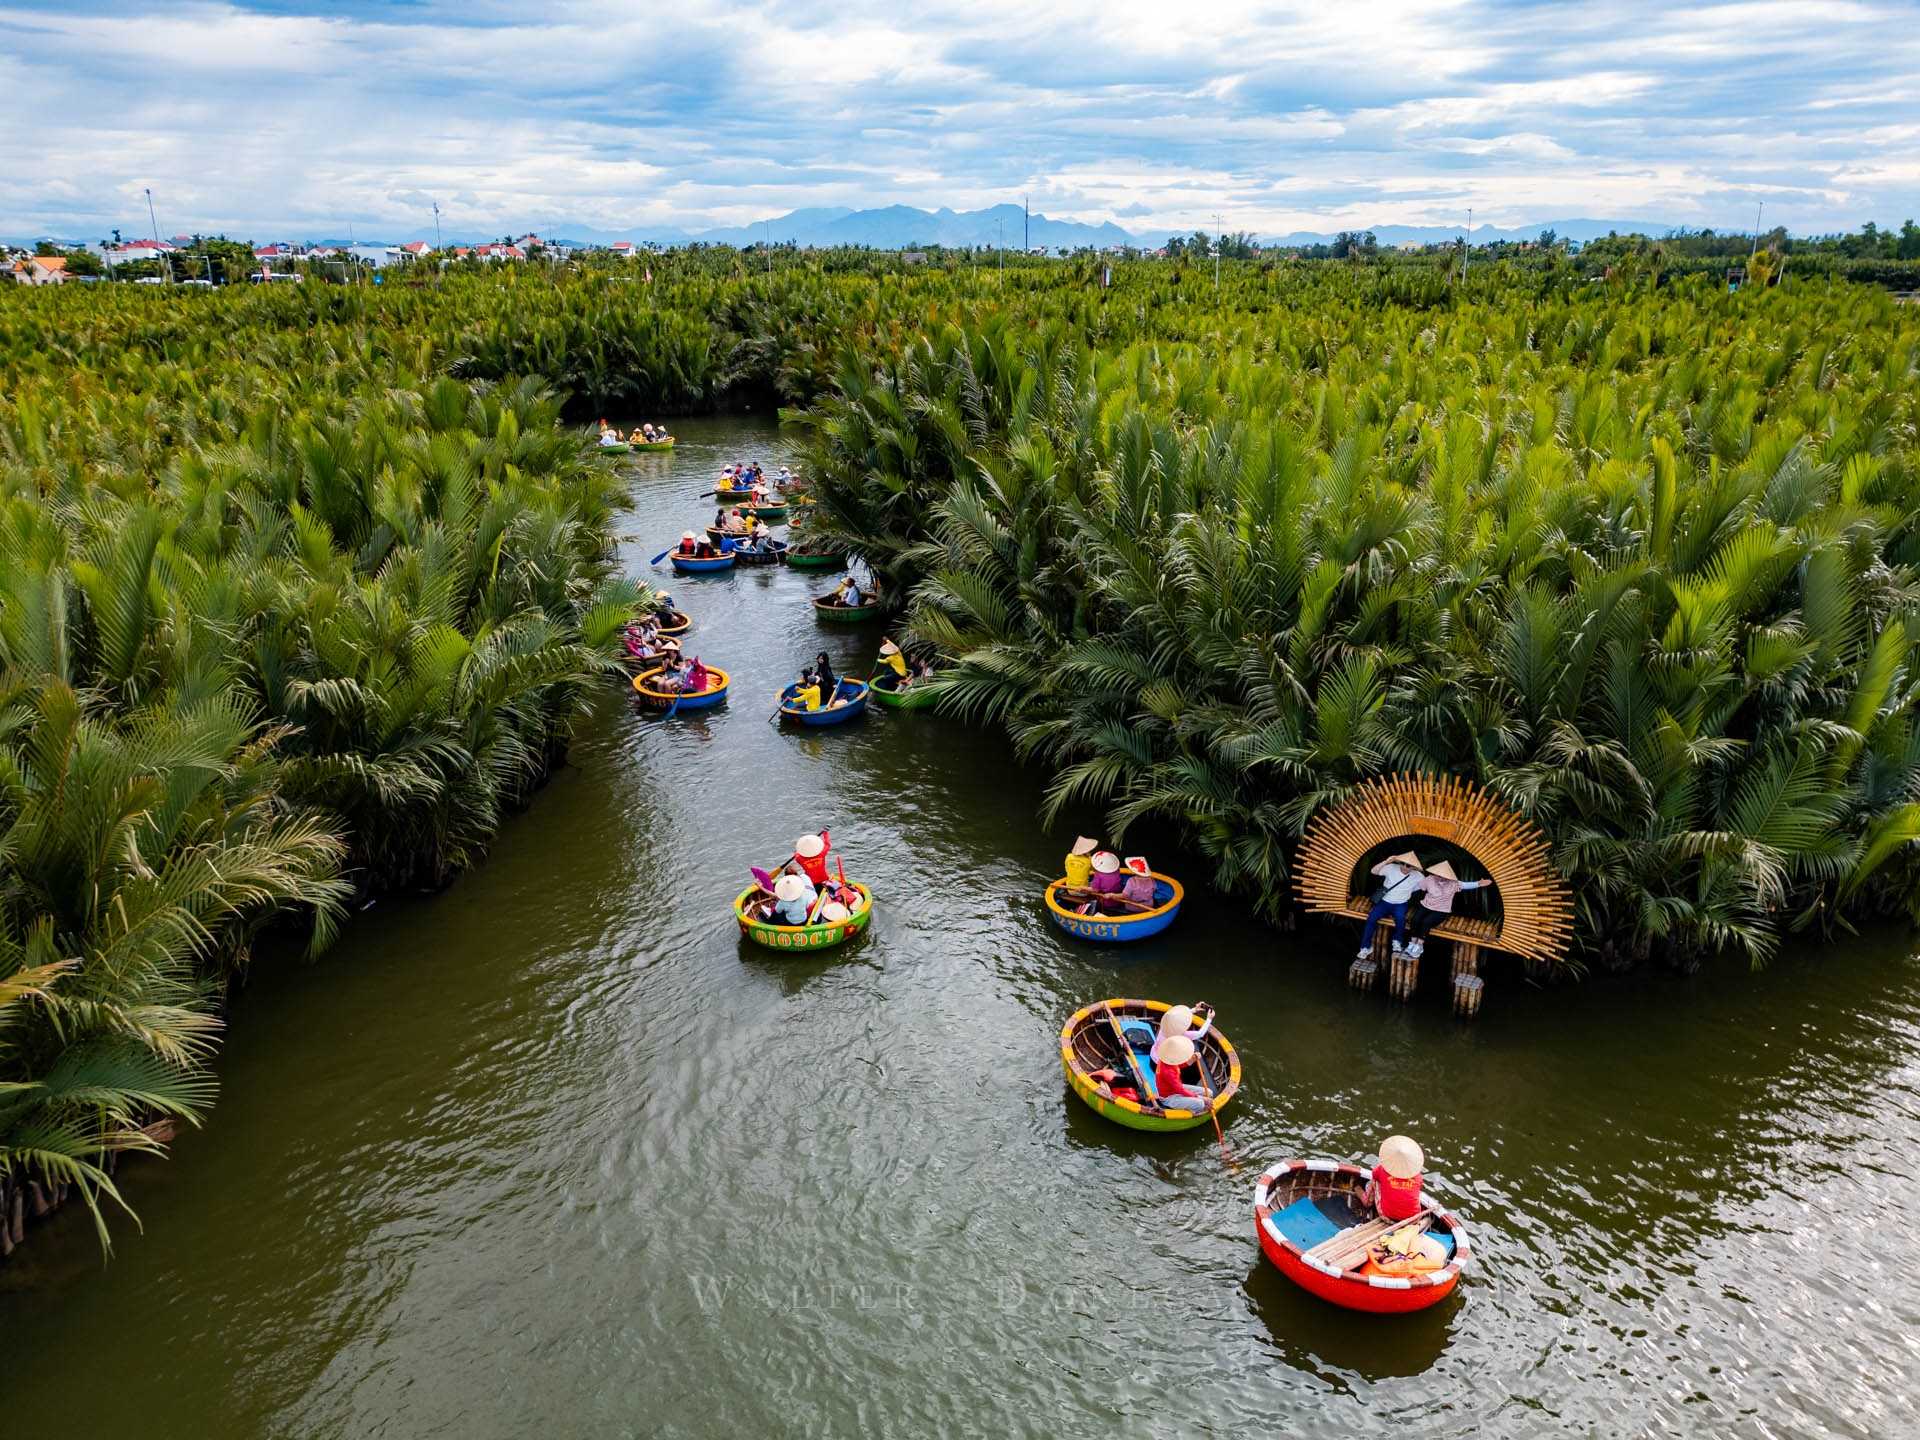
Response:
column 1376, row 1295
column 675, row 622
column 1080, row 1044
column 797, row 939
column 1118, row 929
column 654, row 445
column 618, row 448
column 817, row 562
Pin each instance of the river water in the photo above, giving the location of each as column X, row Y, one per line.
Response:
column 555, row 1153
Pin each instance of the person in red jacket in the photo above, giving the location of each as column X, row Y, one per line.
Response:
column 1395, row 1187
column 811, row 852
column 1176, row 1052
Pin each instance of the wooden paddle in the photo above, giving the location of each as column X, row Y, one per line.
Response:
column 1351, row 1246
column 1082, row 893
column 1206, row 1085
column 1133, row 1061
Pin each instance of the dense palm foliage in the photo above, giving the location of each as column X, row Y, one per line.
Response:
column 1642, row 561
column 282, row 617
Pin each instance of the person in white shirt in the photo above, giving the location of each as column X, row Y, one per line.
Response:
column 1401, row 878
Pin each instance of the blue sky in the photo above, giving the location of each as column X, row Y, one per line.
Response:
column 284, row 118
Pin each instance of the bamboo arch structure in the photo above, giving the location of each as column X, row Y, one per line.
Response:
column 1536, row 905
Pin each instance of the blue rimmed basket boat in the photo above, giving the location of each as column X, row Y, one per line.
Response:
column 701, row 564
column 854, row 691
column 1115, row 929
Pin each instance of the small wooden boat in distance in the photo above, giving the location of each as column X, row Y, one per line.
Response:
column 1087, row 1044
column 1167, row 895
column 821, row 935
column 666, row 444
column 773, row 553
column 1300, row 1204
column 617, row 447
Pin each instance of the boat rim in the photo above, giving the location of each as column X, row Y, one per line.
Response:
column 1263, row 1217
column 1167, row 908
column 1084, row 1084
column 650, row 693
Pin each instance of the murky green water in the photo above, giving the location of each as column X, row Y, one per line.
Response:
column 554, row 1153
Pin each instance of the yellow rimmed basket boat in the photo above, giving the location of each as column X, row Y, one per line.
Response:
column 793, row 939
column 1087, row 1044
column 717, row 682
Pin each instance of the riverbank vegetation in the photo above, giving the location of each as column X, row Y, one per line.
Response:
column 1641, row 561
column 302, row 586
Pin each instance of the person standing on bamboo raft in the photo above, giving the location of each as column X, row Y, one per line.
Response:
column 1436, row 904
column 1401, row 879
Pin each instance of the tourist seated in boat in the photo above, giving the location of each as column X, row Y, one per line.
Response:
column 1138, row 889
column 1394, row 1189
column 759, row 535
column 793, row 900
column 696, row 679
column 807, row 697
column 689, row 544
column 1401, row 878
column 609, row 437
column 1176, row 1053
column 891, row 657
column 1105, row 884
column 847, row 594
column 1436, row 904
column 1177, row 1023
column 1079, row 866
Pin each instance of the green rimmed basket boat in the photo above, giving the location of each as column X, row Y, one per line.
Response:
column 666, row 444
column 841, row 614
column 1087, row 1044
column 772, row 514
column 885, row 692
column 816, row 560
column 795, row 939
column 619, row 447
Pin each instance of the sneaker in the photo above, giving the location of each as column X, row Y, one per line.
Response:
column 1417, row 949
column 1366, row 952
column 1398, row 948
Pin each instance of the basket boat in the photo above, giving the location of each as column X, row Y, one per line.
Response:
column 822, row 935
column 886, row 692
column 1167, row 895
column 843, row 614
column 701, row 564
column 716, row 691
column 1297, row 1204
column 674, row 622
column 1087, row 1044
column 774, row 554
column 772, row 514
column 816, row 560
column 855, row 691
column 666, row 444
column 618, row 447
column 725, row 495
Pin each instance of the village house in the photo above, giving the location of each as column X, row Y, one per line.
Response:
column 40, row 270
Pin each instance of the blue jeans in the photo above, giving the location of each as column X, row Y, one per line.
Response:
column 1397, row 909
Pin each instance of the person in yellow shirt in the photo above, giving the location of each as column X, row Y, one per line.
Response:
column 1080, row 862
column 896, row 662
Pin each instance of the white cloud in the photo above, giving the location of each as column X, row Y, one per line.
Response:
column 1279, row 116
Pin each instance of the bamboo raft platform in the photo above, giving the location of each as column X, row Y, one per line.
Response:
column 1536, row 923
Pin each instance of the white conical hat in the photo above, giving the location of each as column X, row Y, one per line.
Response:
column 1401, row 1158
column 1176, row 1021
column 789, row 887
column 808, row 846
column 833, row 912
column 1106, row 862
column 1176, row 1050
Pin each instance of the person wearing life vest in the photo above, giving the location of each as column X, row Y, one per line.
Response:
column 689, row 544
column 810, row 853
column 1394, row 1189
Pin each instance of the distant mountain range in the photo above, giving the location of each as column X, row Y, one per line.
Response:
column 900, row 227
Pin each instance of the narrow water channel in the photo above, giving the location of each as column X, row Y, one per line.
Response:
column 555, row 1153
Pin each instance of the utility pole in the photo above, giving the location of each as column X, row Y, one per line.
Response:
column 158, row 253
column 1758, row 211
column 436, row 226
